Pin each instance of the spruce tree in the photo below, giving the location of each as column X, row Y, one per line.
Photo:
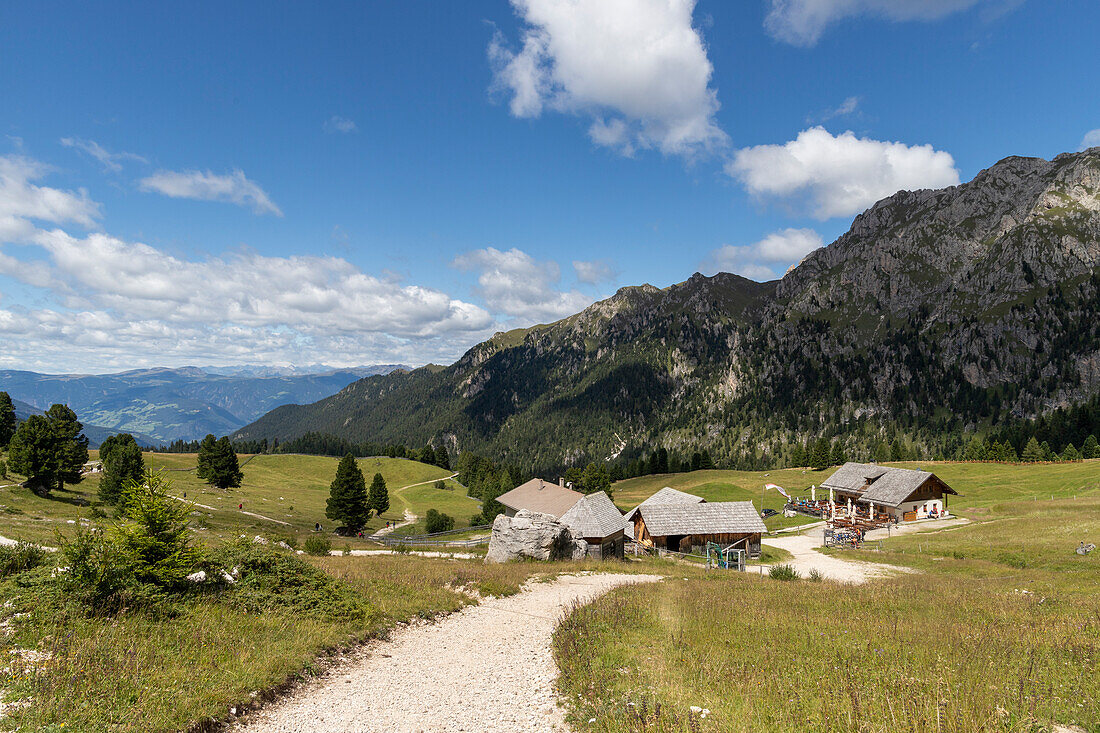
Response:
column 1091, row 448
column 50, row 450
column 1032, row 452
column 122, row 463
column 442, row 459
column 7, row 419
column 839, row 457
column 206, row 454
column 378, row 498
column 819, row 460
column 428, row 455
column 221, row 468
column 347, row 500
column 662, row 460
column 1070, row 453
column 707, row 462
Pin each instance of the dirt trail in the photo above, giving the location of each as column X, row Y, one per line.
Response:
column 486, row 668
column 806, row 557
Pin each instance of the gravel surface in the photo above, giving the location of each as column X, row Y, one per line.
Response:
column 486, row 668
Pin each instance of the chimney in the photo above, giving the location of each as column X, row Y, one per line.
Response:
column 561, row 481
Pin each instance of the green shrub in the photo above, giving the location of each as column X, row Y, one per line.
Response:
column 23, row 556
column 317, row 544
column 782, row 572
column 435, row 521
column 269, row 581
column 815, row 576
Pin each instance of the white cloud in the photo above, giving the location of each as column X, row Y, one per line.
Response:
column 110, row 161
column 756, row 261
column 593, row 272
column 99, row 302
column 21, row 200
column 232, row 188
column 1091, row 139
column 637, row 68
column 802, row 22
column 517, row 285
column 847, row 107
column 839, row 175
column 336, row 123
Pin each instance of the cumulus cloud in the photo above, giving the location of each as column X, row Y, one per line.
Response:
column 593, row 272
column 757, row 261
column 514, row 283
column 232, row 188
column 336, row 123
column 110, row 161
column 802, row 22
column 102, row 302
column 1091, row 139
column 841, row 175
column 21, row 200
column 637, row 69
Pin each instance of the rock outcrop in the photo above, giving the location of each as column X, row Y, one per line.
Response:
column 532, row 536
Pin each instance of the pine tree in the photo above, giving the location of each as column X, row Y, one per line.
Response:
column 206, row 453
column 378, row 498
column 595, row 478
column 223, row 470
column 654, row 463
column 122, row 463
column 1048, row 452
column 7, row 419
column 798, row 455
column 819, row 460
column 1032, row 452
column 897, row 451
column 1091, row 448
column 976, row 450
column 839, row 457
column 442, row 459
column 50, row 450
column 428, row 455
column 347, row 500
column 707, row 463
column 662, row 460
column 1070, row 453
column 696, row 461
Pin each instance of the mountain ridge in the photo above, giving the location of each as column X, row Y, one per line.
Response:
column 938, row 310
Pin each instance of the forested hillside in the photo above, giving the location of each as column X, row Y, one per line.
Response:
column 938, row 315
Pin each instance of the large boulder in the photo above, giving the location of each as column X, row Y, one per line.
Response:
column 534, row 536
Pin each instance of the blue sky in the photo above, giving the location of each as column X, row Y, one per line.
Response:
column 354, row 183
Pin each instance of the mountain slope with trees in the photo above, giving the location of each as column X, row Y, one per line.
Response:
column 938, row 315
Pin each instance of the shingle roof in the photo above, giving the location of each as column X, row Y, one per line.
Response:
column 884, row 485
column 541, row 496
column 717, row 517
column 595, row 515
column 667, row 495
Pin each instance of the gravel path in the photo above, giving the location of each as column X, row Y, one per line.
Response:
column 486, row 668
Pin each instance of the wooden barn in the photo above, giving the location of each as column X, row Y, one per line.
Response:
column 683, row 527
column 667, row 495
column 901, row 494
column 599, row 522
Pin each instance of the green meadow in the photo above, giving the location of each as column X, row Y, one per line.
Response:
column 288, row 492
column 998, row 628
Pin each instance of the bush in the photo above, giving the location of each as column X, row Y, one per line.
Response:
column 317, row 544
column 441, row 485
column 815, row 576
column 477, row 520
column 438, row 522
column 20, row 557
column 782, row 572
column 269, row 581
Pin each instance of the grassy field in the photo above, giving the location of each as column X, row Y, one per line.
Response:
column 287, row 491
column 998, row 631
column 142, row 672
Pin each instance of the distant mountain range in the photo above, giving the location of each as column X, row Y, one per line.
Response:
column 162, row 405
column 938, row 312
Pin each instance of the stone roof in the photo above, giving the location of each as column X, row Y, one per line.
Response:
column 542, row 497
column 718, row 517
column 667, row 495
column 884, row 485
column 594, row 515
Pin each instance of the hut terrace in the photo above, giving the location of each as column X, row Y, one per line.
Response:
column 901, row 494
column 688, row 527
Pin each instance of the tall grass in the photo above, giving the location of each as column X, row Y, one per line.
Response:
column 917, row 654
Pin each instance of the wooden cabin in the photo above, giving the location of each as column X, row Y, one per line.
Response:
column 597, row 520
column 667, row 495
column 689, row 527
column 901, row 494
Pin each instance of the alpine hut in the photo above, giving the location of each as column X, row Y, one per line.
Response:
column 689, row 527
column 903, row 494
